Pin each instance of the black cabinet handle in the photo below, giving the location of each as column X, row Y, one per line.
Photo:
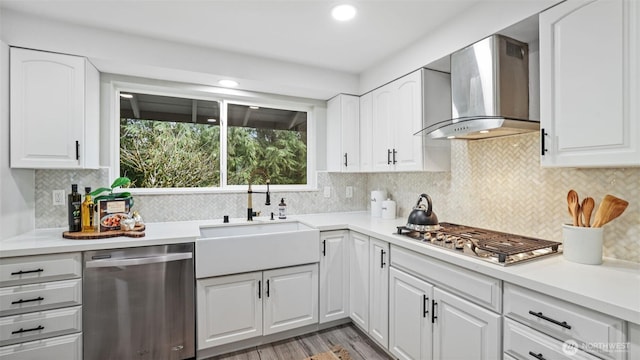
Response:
column 433, row 311
column 259, row 289
column 537, row 356
column 388, row 156
column 541, row 316
column 345, row 159
column 394, row 156
column 382, row 263
column 425, row 306
column 324, row 247
column 543, row 147
column 267, row 288
column 39, row 298
column 40, row 327
column 77, row 150
column 27, row 271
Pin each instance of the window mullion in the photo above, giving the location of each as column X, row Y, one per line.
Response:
column 223, row 144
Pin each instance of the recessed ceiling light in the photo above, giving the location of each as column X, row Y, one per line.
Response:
column 253, row 107
column 126, row 96
column 211, row 120
column 343, row 12
column 451, row 137
column 484, row 131
column 228, row 83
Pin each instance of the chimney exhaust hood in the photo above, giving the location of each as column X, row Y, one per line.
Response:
column 489, row 91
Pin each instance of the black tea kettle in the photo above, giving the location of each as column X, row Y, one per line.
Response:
column 421, row 218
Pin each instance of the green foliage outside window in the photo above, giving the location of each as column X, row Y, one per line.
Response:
column 162, row 154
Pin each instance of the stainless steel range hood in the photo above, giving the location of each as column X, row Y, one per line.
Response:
column 489, row 90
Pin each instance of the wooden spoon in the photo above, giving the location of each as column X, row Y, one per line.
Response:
column 574, row 206
column 610, row 208
column 587, row 207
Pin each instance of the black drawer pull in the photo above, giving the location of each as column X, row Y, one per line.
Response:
column 345, row 160
column 388, row 156
column 541, row 316
column 259, row 290
column 382, row 263
column 425, row 306
column 267, row 288
column 39, row 298
column 40, row 327
column 394, row 156
column 27, row 272
column 537, row 356
column 77, row 150
column 324, row 247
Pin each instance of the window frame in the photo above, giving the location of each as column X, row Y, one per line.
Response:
column 224, row 97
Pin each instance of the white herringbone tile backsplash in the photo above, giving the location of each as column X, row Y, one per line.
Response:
column 494, row 183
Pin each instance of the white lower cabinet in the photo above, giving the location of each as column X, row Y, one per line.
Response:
column 238, row 307
column 67, row 347
column 522, row 342
column 463, row 330
column 359, row 279
column 379, row 291
column 410, row 330
column 428, row 320
column 334, row 275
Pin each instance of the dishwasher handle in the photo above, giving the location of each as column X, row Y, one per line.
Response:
column 138, row 260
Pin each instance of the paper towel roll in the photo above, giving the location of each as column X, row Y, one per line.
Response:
column 377, row 197
column 388, row 209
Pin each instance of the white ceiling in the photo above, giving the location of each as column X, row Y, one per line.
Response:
column 300, row 31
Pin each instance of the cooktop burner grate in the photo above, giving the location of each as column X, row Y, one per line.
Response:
column 494, row 246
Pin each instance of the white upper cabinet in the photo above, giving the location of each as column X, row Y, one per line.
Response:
column 366, row 132
column 343, row 133
column 398, row 113
column 590, row 83
column 54, row 111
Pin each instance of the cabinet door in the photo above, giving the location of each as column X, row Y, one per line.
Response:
column 410, row 331
column 359, row 279
column 68, row 347
column 343, row 133
column 589, row 77
column 350, row 135
column 379, row 291
column 48, row 111
column 229, row 309
column 290, row 298
column 382, row 128
column 366, row 132
column 334, row 275
column 463, row 330
column 407, row 120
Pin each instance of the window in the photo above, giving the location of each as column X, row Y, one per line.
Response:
column 178, row 142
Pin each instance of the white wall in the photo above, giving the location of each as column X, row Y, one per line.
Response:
column 480, row 21
column 17, row 200
column 125, row 54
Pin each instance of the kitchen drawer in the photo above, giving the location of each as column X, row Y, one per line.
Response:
column 41, row 268
column 39, row 325
column 68, row 347
column 477, row 288
column 525, row 343
column 36, row 297
column 563, row 320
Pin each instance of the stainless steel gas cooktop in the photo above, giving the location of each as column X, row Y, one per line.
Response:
column 492, row 246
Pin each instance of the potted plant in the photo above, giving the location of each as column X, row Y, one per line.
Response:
column 119, row 182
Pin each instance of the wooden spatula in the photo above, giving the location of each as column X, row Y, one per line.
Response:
column 587, row 207
column 573, row 204
column 610, row 208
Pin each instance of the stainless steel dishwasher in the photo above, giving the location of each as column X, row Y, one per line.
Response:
column 138, row 303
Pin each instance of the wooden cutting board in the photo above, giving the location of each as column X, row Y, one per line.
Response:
column 137, row 232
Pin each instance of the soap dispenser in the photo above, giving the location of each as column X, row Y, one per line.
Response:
column 282, row 209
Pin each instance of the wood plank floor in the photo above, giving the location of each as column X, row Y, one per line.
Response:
column 360, row 347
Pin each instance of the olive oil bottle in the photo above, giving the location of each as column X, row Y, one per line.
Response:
column 87, row 212
column 74, row 202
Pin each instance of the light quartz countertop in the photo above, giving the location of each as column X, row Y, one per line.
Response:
column 612, row 288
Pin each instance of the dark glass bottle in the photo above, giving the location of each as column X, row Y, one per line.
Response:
column 74, row 203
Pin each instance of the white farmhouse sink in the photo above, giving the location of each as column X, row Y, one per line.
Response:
column 237, row 248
